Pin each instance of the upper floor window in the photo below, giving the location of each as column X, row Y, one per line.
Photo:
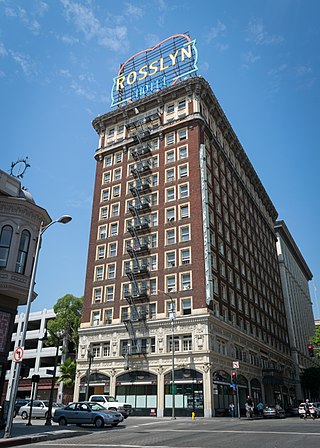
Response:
column 5, row 242
column 182, row 134
column 23, row 252
column 169, row 139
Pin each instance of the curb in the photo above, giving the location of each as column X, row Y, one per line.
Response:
column 34, row 438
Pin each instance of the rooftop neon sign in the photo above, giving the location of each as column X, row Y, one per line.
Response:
column 154, row 69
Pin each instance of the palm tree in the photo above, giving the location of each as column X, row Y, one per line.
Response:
column 67, row 376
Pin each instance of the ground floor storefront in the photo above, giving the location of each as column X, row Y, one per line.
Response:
column 200, row 393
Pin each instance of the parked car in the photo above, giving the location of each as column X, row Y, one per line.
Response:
column 293, row 410
column 87, row 413
column 39, row 409
column 274, row 411
column 19, row 402
column 111, row 404
column 314, row 408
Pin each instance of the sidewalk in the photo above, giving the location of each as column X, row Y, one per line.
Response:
column 38, row 432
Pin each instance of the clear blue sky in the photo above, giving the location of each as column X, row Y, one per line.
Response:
column 57, row 63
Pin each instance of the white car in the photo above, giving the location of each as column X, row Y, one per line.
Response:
column 314, row 408
column 39, row 409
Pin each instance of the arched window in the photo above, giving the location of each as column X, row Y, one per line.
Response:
column 5, row 242
column 23, row 252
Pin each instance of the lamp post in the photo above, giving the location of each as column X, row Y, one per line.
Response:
column 63, row 220
column 90, row 357
column 172, row 317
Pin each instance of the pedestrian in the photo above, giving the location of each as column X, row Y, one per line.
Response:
column 307, row 410
column 231, row 409
column 249, row 407
column 260, row 407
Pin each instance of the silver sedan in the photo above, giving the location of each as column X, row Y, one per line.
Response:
column 84, row 413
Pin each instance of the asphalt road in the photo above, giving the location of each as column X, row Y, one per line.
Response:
column 140, row 432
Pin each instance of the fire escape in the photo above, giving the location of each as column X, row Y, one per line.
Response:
column 138, row 271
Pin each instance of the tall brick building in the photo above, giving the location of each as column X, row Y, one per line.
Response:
column 182, row 261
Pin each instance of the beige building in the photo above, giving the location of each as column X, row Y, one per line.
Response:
column 20, row 220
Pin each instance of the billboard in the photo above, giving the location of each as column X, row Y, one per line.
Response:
column 155, row 68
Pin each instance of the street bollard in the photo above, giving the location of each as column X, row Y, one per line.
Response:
column 193, row 415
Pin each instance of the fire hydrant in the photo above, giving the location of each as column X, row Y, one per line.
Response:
column 193, row 415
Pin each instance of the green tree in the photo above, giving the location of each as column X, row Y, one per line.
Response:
column 67, row 373
column 65, row 326
column 315, row 341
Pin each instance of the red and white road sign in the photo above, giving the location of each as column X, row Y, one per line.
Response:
column 235, row 365
column 18, row 354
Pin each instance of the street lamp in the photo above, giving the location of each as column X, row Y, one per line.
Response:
column 90, row 357
column 13, row 393
column 172, row 317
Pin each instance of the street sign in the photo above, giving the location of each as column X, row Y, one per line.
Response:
column 49, row 372
column 18, row 354
column 235, row 365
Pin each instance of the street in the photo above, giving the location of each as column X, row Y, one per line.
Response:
column 138, row 432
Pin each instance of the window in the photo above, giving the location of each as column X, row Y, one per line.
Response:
column 104, row 212
column 186, row 281
column 117, row 174
column 106, row 177
column 23, row 252
column 186, row 306
column 111, row 271
column 101, row 252
column 181, row 104
column 154, row 219
column 182, row 134
column 97, row 295
column 170, row 259
column 99, row 273
column 109, row 293
column 110, row 132
column 115, row 209
column 95, row 350
column 170, row 194
column 169, row 139
column 183, row 191
column 108, row 161
column 106, row 349
column 170, row 214
column 171, row 283
column 170, row 156
column 187, row 343
column 114, row 229
column 105, row 196
column 184, row 211
column 182, row 152
column 102, row 233
column 170, row 108
column 95, row 318
column 116, row 191
column 170, row 175
column 184, row 233
column 183, row 171
column 170, row 236
column 118, row 157
column 120, row 128
column 112, row 250
column 108, row 316
column 185, row 256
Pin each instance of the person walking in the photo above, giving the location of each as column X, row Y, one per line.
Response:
column 231, row 409
column 260, row 407
column 249, row 407
column 307, row 410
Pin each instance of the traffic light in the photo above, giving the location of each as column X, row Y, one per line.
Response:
column 310, row 350
column 234, row 376
column 24, row 371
